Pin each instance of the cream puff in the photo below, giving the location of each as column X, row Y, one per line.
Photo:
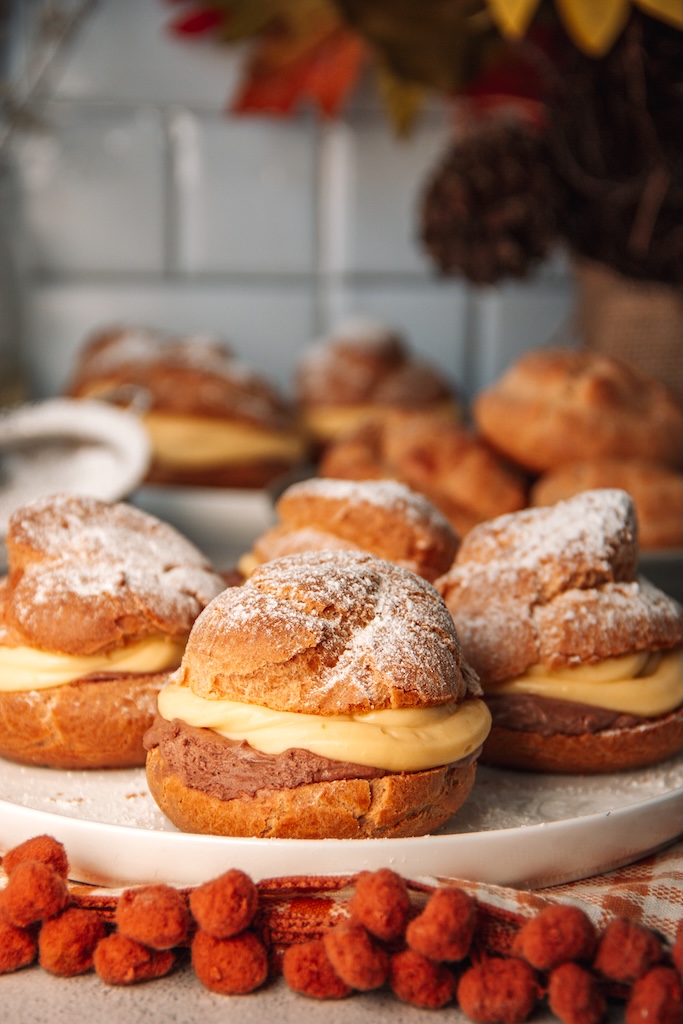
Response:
column 95, row 609
column 383, row 517
column 211, row 420
column 579, row 659
column 327, row 697
column 559, row 405
column 363, row 370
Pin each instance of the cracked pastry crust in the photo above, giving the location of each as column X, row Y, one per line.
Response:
column 321, row 633
column 329, row 632
column 556, row 587
column 87, row 581
column 391, row 806
column 555, row 406
column 92, row 723
column 383, row 517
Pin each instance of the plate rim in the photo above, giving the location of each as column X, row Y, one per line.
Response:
column 665, row 808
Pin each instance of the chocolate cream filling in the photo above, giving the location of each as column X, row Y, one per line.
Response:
column 231, row 769
column 546, row 716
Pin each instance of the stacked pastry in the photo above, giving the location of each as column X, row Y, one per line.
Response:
column 579, row 659
column 211, row 420
column 383, row 517
column 657, row 492
column 558, row 422
column 448, row 463
column 94, row 614
column 327, row 697
column 579, row 419
column 362, row 371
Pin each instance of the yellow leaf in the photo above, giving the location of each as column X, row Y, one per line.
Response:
column 513, row 16
column 665, row 10
column 402, row 99
column 593, row 24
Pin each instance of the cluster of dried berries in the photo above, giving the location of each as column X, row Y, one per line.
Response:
column 436, row 958
column 429, row 957
column 152, row 926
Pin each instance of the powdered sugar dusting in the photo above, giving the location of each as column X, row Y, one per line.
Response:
column 363, row 331
column 326, row 627
column 158, row 367
column 388, row 495
column 365, row 361
column 113, row 558
column 145, row 346
column 594, row 533
column 556, row 585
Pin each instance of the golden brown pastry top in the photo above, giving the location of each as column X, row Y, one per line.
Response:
column 367, row 362
column 85, row 576
column 383, row 517
column 327, row 633
column 451, row 466
column 556, row 405
column 556, row 586
column 656, row 490
column 192, row 375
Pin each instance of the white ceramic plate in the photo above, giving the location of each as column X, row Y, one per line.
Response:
column 516, row 829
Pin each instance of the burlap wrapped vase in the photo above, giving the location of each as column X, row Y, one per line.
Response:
column 641, row 321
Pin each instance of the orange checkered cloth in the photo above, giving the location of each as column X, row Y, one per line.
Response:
column 296, row 908
column 649, row 892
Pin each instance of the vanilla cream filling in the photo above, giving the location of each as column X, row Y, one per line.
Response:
column 330, row 422
column 645, row 683
column 397, row 740
column 25, row 668
column 247, row 563
column 203, row 441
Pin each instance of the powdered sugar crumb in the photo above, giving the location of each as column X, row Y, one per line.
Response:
column 136, row 358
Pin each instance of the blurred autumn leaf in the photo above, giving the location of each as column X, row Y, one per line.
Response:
column 316, row 50
column 302, row 50
column 299, row 58
column 438, row 43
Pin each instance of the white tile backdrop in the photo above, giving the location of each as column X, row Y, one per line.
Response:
column 142, row 201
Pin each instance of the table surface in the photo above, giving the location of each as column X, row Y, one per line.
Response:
column 32, row 996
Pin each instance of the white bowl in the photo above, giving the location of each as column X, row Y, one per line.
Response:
column 74, row 446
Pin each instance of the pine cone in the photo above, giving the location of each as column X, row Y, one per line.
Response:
column 491, row 209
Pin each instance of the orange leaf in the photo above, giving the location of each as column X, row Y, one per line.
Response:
column 334, row 70
column 324, row 71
